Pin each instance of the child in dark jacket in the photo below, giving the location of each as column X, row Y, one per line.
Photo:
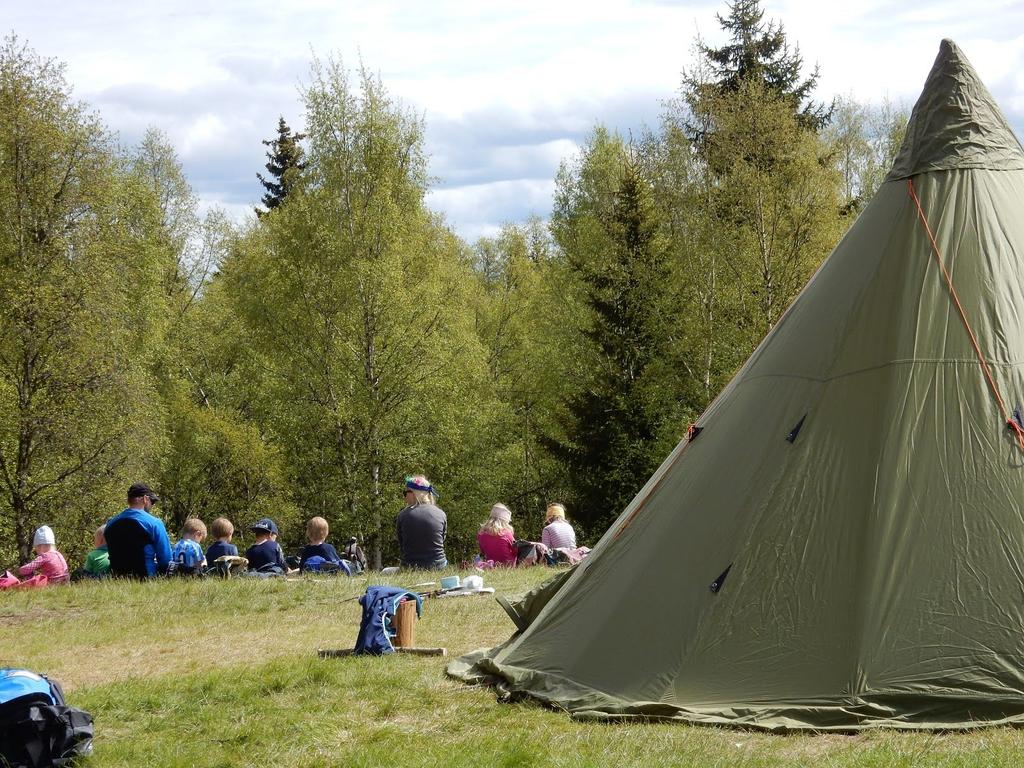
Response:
column 316, row 534
column 222, row 530
column 266, row 551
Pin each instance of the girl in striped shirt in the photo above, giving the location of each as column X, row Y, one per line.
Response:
column 557, row 531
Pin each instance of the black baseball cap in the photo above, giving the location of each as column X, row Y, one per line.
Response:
column 139, row 490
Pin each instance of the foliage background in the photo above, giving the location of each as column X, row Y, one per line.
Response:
column 304, row 361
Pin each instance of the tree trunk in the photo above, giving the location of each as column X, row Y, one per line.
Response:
column 372, row 378
column 21, row 478
column 21, row 532
column 709, row 312
column 378, row 561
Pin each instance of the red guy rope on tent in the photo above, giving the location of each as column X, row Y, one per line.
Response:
column 1010, row 422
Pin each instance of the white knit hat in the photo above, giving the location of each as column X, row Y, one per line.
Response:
column 43, row 535
column 501, row 513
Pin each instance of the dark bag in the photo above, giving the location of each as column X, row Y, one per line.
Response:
column 37, row 728
column 526, row 552
column 227, row 566
column 354, row 554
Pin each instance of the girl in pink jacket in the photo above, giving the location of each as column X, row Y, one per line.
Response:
column 497, row 540
column 49, row 561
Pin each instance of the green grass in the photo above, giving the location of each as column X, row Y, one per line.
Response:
column 214, row 673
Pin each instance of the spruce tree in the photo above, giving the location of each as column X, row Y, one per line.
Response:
column 625, row 414
column 758, row 50
column 285, row 164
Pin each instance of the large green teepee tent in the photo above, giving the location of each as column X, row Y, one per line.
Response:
column 840, row 543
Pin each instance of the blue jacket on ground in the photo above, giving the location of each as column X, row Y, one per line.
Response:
column 379, row 606
column 158, row 551
column 324, row 550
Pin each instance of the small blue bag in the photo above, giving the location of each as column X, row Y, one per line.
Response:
column 317, row 564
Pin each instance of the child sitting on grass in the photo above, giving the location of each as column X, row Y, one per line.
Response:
column 188, row 553
column 499, row 545
column 557, row 533
column 316, row 534
column 49, row 562
column 97, row 562
column 496, row 539
column 222, row 531
column 266, row 554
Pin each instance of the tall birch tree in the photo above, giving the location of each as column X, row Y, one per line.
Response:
column 357, row 295
column 79, row 308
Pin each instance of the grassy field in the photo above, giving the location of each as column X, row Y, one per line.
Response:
column 225, row 673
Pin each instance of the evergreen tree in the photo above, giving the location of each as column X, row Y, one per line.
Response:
column 773, row 199
column 763, row 179
column 758, row 50
column 625, row 415
column 284, row 166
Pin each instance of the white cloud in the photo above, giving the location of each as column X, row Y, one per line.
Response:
column 208, row 131
column 505, row 88
column 481, row 209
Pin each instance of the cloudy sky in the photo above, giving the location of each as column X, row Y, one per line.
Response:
column 507, row 90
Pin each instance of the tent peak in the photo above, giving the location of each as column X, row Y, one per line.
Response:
column 956, row 124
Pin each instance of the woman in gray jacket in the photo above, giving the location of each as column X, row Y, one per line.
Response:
column 422, row 526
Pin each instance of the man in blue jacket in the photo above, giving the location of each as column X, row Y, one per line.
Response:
column 137, row 540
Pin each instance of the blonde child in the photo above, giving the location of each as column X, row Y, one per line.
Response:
column 222, row 531
column 97, row 562
column 188, row 552
column 557, row 532
column 49, row 562
column 316, row 534
column 496, row 539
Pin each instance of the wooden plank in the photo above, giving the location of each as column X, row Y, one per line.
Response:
column 334, row 653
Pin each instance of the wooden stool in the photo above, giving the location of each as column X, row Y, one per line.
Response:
column 405, row 624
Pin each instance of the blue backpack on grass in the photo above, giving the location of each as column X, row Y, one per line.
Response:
column 317, row 564
column 37, row 728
